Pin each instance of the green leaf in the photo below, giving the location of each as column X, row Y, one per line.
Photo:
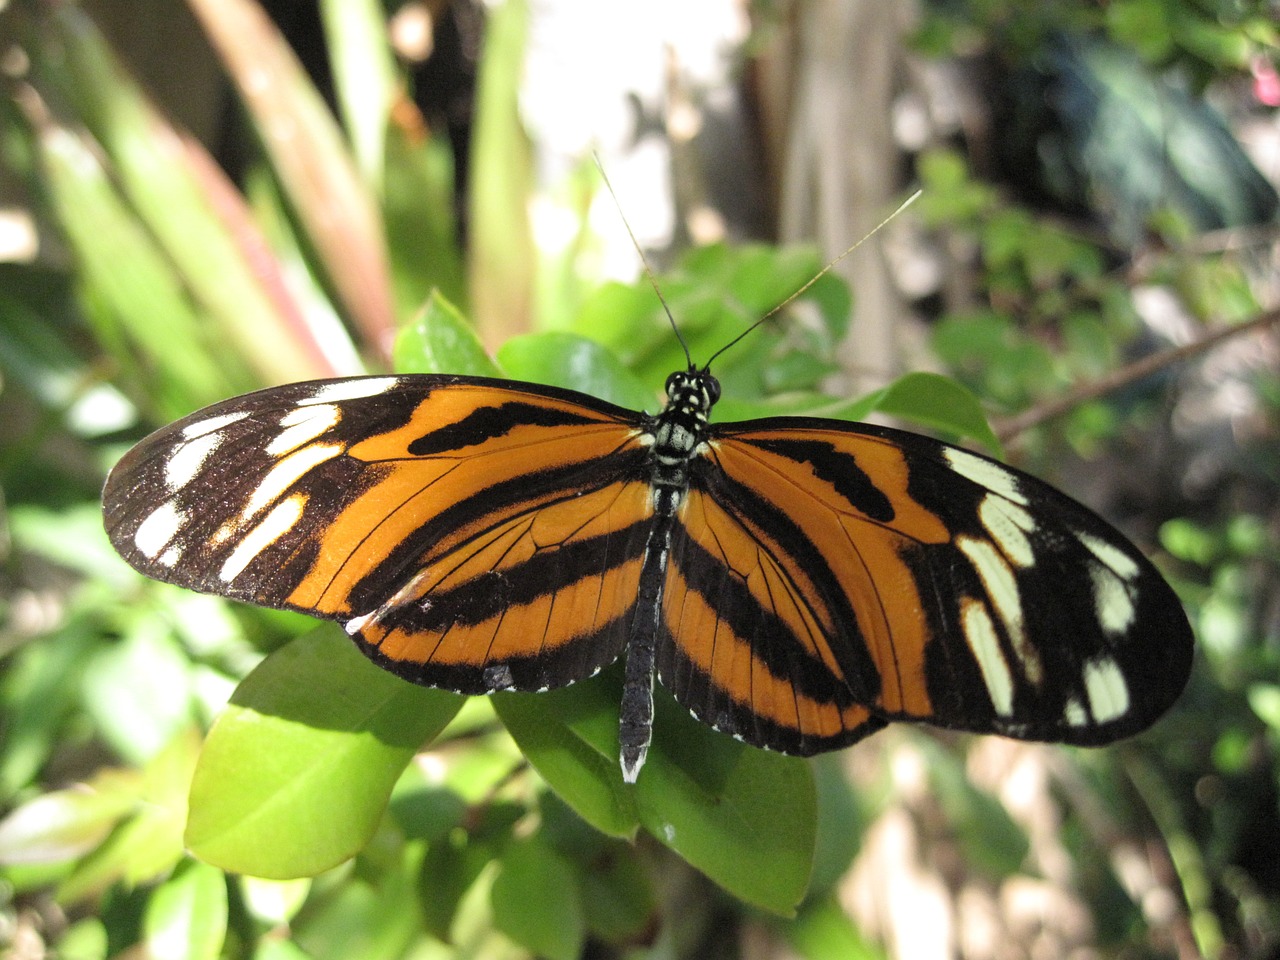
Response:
column 1264, row 698
column 571, row 738
column 186, row 917
column 840, row 823
column 537, row 901
column 272, row 949
column 372, row 914
column 577, row 363
column 274, row 902
column 84, row 940
column 297, row 771
column 621, row 904
column 455, row 862
column 745, row 817
column 139, row 690
column 149, row 843
column 503, row 258
column 823, row 930
column 440, row 340
column 65, row 824
column 417, row 206
column 933, row 400
column 181, row 196
column 364, row 78
column 122, row 268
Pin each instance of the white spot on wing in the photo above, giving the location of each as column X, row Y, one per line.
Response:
column 201, row 427
column 1002, row 587
column 161, row 526
column 1112, row 601
column 302, row 425
column 1105, row 687
column 980, row 632
column 285, row 473
column 273, row 526
column 185, row 462
column 1008, row 524
column 1111, row 556
column 1074, row 713
column 352, row 389
column 985, row 473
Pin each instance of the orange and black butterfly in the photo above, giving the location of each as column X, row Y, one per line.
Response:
column 794, row 582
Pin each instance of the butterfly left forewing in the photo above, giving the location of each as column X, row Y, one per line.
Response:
column 469, row 533
column 935, row 585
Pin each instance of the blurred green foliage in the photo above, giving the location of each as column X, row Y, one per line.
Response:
column 205, row 780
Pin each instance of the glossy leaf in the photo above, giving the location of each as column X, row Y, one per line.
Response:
column 296, row 773
column 568, row 360
column 440, row 340
column 571, row 738
column 744, row 817
column 186, row 917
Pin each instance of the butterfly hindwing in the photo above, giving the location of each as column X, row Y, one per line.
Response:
column 470, row 534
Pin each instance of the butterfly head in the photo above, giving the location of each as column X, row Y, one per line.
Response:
column 692, row 392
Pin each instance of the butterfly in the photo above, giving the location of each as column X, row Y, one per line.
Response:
column 795, row 582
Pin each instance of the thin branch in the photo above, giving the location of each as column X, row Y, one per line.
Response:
column 1007, row 428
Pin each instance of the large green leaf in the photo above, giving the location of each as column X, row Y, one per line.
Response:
column 297, row 771
column 571, row 738
column 745, row 817
column 571, row 361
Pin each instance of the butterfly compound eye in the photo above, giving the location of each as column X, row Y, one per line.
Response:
column 713, row 388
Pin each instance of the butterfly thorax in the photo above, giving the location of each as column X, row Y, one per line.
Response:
column 678, row 432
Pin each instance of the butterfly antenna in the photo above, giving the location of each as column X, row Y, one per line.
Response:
column 816, row 277
column 648, row 271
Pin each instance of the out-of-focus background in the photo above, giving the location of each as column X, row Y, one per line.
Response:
column 204, row 198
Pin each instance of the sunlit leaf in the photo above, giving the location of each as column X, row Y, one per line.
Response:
column 297, row 771
column 186, row 917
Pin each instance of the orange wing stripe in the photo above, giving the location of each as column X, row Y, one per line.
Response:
column 864, row 554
